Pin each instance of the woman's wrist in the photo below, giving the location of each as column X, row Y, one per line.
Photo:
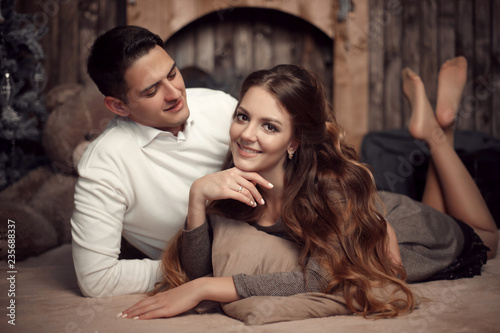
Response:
column 196, row 211
column 219, row 289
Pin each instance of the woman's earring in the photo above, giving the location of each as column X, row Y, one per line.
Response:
column 290, row 155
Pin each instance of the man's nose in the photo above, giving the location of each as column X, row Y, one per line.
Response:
column 170, row 91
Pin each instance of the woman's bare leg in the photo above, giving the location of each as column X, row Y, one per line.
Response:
column 460, row 196
column 451, row 82
column 413, row 89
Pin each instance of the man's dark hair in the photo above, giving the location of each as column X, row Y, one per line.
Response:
column 114, row 52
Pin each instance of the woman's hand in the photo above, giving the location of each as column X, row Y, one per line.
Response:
column 183, row 298
column 166, row 304
column 227, row 184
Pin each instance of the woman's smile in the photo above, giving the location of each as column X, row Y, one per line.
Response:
column 247, row 152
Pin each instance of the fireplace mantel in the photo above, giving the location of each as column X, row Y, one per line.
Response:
column 167, row 17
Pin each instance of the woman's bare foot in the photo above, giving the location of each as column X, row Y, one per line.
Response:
column 423, row 124
column 451, row 82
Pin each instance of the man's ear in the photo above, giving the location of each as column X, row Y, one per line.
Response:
column 116, row 105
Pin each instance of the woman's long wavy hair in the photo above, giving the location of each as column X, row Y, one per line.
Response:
column 329, row 203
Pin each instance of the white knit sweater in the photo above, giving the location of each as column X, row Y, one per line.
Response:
column 134, row 181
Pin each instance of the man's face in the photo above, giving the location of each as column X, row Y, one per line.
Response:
column 156, row 92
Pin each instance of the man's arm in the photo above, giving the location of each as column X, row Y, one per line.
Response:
column 96, row 231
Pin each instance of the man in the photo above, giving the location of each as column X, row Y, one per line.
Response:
column 135, row 177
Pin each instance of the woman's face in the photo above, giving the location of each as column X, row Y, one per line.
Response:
column 261, row 134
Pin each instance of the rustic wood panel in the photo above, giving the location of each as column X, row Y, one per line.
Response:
column 495, row 70
column 350, row 70
column 482, row 64
column 376, row 68
column 263, row 30
column 69, row 36
column 243, row 49
column 224, row 57
column 446, row 30
column 411, row 43
column 429, row 59
column 464, row 47
column 284, row 46
column 51, row 44
column 89, row 30
column 393, row 93
column 186, row 54
column 72, row 27
column 205, row 42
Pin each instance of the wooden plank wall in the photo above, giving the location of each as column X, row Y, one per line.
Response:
column 419, row 34
column 422, row 35
column 72, row 27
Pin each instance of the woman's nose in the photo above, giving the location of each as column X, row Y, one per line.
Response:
column 248, row 133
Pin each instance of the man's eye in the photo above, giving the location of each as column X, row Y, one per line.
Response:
column 151, row 92
column 172, row 75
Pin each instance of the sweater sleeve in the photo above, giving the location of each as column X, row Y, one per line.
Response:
column 196, row 251
column 282, row 284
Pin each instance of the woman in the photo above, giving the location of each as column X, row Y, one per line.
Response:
column 289, row 172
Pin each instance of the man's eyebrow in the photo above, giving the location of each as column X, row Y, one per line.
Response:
column 154, row 84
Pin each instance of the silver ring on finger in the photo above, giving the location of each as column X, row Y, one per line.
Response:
column 241, row 188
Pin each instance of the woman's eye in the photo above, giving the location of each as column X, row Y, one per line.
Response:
column 241, row 117
column 270, row 128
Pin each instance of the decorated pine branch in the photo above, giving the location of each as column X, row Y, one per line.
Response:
column 22, row 78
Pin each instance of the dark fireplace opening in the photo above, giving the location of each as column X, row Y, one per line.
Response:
column 220, row 49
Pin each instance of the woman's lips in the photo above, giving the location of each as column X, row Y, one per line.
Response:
column 247, row 152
